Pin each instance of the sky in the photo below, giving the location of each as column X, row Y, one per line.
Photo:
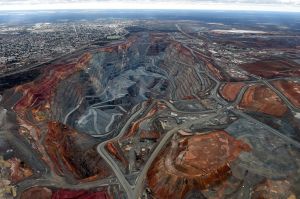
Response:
column 258, row 5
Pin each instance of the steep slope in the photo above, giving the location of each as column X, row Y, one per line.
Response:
column 77, row 152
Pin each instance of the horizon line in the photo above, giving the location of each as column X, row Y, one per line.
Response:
column 113, row 5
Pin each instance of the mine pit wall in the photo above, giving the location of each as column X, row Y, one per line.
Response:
column 76, row 150
column 69, row 99
column 107, row 64
column 69, row 95
column 12, row 139
column 97, row 73
column 100, row 73
column 10, row 98
column 184, row 71
column 92, row 82
column 111, row 61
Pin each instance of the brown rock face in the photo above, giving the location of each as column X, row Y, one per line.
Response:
column 229, row 91
column 193, row 162
column 79, row 194
column 19, row 170
column 136, row 125
column 273, row 68
column 159, row 42
column 37, row 193
column 45, row 193
column 40, row 90
column 77, row 151
column 35, row 104
column 290, row 89
column 260, row 98
column 215, row 71
column 114, row 149
column 149, row 135
column 119, row 46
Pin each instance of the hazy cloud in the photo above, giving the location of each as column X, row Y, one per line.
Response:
column 286, row 2
column 272, row 5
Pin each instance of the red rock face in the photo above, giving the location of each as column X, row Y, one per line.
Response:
column 183, row 53
column 230, row 90
column 119, row 46
column 37, row 193
column 45, row 193
column 273, row 68
column 215, row 71
column 36, row 100
column 114, row 149
column 19, row 170
column 136, row 125
column 80, row 194
column 260, row 98
column 77, row 151
column 290, row 89
column 193, row 162
column 159, row 42
column 157, row 37
column 149, row 135
column 41, row 90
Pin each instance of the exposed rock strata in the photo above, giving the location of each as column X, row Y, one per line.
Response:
column 150, row 135
column 273, row 68
column 159, row 42
column 291, row 89
column 62, row 102
column 19, row 170
column 229, row 91
column 119, row 46
column 136, row 124
column 34, row 106
column 37, row 193
column 77, row 152
column 183, row 67
column 115, row 150
column 79, row 194
column 193, row 162
column 41, row 90
column 259, row 98
column 45, row 193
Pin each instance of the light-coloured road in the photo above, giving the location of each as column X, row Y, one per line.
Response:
column 134, row 192
column 286, row 101
column 72, row 111
column 141, row 179
column 101, row 150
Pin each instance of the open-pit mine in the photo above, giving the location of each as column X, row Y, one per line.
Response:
column 176, row 109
